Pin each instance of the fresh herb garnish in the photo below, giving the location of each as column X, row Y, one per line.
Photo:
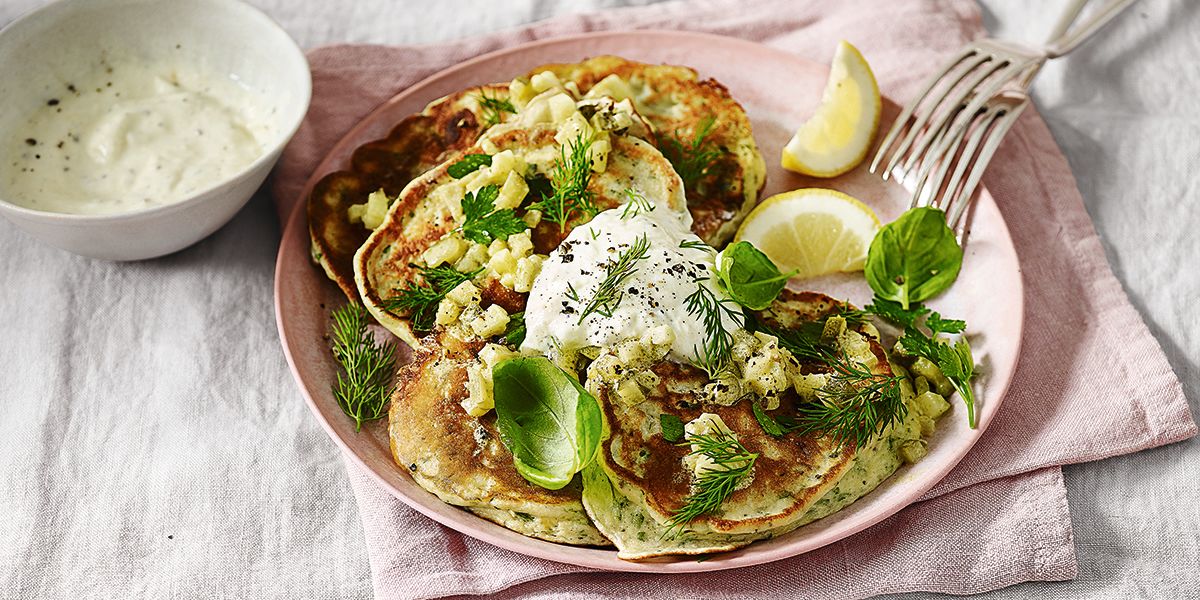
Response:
column 731, row 462
column 892, row 311
column 672, row 427
column 612, row 289
column 636, row 205
column 469, row 164
column 804, row 341
column 695, row 245
column 853, row 405
column 768, row 423
column 569, row 178
column 914, row 257
column 546, row 419
column 958, row 366
column 364, row 385
column 494, row 108
column 955, row 362
column 420, row 300
column 514, row 332
column 692, row 159
column 751, row 279
column 715, row 357
column 482, row 223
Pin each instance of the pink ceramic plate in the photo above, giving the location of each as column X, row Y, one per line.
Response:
column 779, row 91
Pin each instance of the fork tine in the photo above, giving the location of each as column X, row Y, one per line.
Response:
column 960, row 166
column 922, row 117
column 931, row 159
column 907, row 112
column 989, row 91
column 985, row 156
column 961, row 96
column 948, row 150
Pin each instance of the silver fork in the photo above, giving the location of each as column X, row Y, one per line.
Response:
column 953, row 132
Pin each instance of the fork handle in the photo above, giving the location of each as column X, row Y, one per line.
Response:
column 1064, row 39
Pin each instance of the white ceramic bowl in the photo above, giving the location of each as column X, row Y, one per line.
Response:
column 226, row 38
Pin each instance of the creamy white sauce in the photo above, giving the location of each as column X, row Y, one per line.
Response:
column 132, row 136
column 654, row 295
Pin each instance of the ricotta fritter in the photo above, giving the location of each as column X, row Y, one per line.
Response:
column 427, row 210
column 640, row 479
column 680, row 107
column 460, row 458
column 413, row 147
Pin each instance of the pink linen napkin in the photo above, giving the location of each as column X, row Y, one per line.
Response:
column 1092, row 381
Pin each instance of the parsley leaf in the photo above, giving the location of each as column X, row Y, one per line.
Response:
column 514, row 333
column 937, row 324
column 672, row 427
column 482, row 223
column 768, row 423
column 469, row 164
column 955, row 362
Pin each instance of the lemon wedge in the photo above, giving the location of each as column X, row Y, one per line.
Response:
column 836, row 138
column 814, row 231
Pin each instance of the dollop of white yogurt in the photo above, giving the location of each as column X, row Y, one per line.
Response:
column 675, row 265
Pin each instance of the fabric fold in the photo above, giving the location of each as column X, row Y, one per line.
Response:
column 1091, row 383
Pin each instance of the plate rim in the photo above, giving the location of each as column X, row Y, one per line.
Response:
column 543, row 549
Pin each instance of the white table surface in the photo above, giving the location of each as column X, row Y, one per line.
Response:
column 155, row 445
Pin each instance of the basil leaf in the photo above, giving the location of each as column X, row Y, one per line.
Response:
column 546, row 419
column 914, row 257
column 469, row 164
column 751, row 279
column 672, row 427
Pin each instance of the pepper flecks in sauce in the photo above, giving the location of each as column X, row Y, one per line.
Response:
column 148, row 135
column 654, row 295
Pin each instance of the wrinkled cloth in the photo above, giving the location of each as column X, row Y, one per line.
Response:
column 1091, row 383
column 154, row 444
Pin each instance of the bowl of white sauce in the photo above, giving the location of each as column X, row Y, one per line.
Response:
column 135, row 128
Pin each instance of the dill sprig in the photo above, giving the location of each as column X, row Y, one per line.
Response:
column 365, row 384
column 482, row 223
column 612, row 289
column 714, row 358
column 692, row 159
column 569, row 179
column 731, row 462
column 420, row 300
column 494, row 107
column 854, row 405
column 636, row 205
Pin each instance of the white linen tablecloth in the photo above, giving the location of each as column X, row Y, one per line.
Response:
column 155, row 446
